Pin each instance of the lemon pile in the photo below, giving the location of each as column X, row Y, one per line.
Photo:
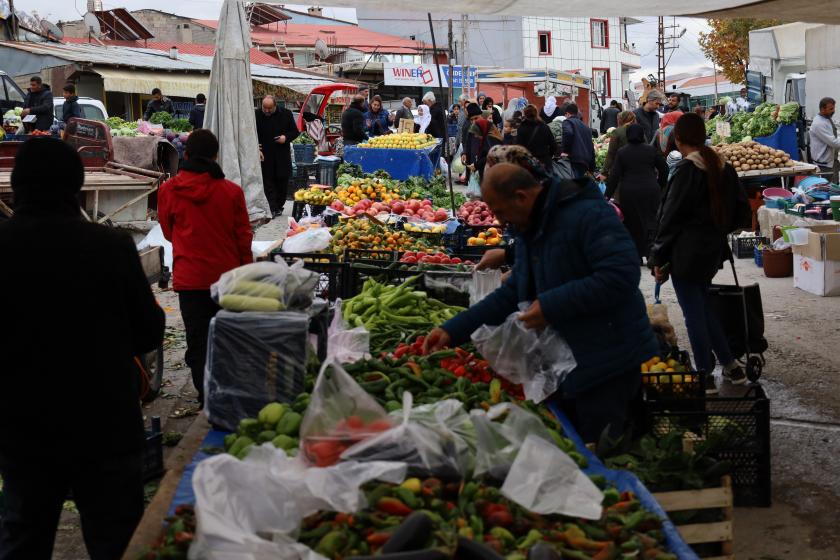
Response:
column 424, row 228
column 402, row 140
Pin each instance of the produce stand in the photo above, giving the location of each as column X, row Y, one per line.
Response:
column 401, row 163
column 769, row 218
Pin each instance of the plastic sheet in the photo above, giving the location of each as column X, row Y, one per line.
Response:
column 500, row 433
column 345, row 345
column 484, row 283
column 309, row 241
column 539, row 361
column 545, row 480
column 400, row 163
column 253, row 359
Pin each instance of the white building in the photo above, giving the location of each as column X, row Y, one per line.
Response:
column 595, row 47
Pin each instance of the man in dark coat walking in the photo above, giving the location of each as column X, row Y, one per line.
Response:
column 158, row 103
column 70, row 417
column 39, row 102
column 70, row 109
column 648, row 116
column 276, row 129
column 197, row 112
column 437, row 125
column 577, row 142
column 353, row 122
column 609, row 119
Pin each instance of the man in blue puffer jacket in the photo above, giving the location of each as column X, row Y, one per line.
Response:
column 578, row 265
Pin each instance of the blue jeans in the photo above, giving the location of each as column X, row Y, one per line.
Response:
column 704, row 330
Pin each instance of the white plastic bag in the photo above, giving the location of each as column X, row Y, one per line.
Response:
column 426, row 450
column 545, row 480
column 457, row 165
column 474, row 186
column 539, row 361
column 346, row 345
column 310, row 241
column 484, row 282
column 257, row 284
column 444, row 167
column 500, row 432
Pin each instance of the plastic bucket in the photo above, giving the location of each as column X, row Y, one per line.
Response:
column 777, row 264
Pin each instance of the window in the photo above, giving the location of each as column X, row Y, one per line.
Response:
column 600, row 33
column 544, row 42
column 601, row 81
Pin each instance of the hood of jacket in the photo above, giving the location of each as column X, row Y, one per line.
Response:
column 193, row 186
column 72, row 99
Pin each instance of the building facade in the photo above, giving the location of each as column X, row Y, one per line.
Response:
column 165, row 28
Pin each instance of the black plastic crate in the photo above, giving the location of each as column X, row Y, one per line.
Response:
column 742, row 247
column 356, row 273
column 304, row 153
column 327, row 265
column 299, row 209
column 740, row 429
column 674, row 385
column 370, row 255
column 153, row 452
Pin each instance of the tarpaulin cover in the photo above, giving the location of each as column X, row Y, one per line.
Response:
column 400, row 163
column 783, row 139
column 184, row 493
column 230, row 108
column 627, row 481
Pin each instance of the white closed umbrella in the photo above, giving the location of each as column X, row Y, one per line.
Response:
column 230, row 108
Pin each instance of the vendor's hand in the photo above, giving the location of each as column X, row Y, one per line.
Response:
column 494, row 258
column 436, row 340
column 281, row 139
column 533, row 317
column 660, row 275
column 262, row 157
column 25, row 112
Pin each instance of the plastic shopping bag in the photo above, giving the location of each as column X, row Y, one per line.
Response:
column 340, row 414
column 545, row 480
column 474, row 186
column 539, row 361
column 484, row 282
column 457, row 165
column 346, row 345
column 266, row 286
column 427, row 452
column 500, row 432
column 310, row 241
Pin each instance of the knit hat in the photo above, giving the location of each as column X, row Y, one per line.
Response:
column 473, row 110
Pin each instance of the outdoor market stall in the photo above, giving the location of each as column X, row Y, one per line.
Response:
column 399, row 162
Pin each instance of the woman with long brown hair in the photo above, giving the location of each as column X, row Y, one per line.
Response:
column 704, row 202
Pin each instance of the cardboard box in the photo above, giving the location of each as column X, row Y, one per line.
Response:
column 816, row 265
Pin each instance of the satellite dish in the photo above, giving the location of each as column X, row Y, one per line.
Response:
column 51, row 30
column 92, row 24
column 321, row 49
column 33, row 37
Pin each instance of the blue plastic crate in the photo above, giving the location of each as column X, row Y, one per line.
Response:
column 758, row 255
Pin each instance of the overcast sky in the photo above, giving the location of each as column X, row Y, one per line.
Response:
column 686, row 58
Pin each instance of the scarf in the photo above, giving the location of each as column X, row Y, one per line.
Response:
column 202, row 165
column 424, row 117
column 550, row 105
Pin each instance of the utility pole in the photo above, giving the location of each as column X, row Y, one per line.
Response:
column 714, row 69
column 14, row 26
column 462, row 60
column 451, row 72
column 665, row 43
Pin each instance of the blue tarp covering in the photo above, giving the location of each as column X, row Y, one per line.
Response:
column 623, row 480
column 627, row 481
column 400, row 163
column 783, row 139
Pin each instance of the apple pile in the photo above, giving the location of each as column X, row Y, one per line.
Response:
column 477, row 213
column 421, row 208
column 412, row 257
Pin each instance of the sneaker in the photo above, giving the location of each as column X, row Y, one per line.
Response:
column 735, row 376
column 711, row 388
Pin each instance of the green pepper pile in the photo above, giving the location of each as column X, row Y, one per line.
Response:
column 278, row 423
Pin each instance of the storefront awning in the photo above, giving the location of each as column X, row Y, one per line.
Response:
column 300, row 86
column 136, row 81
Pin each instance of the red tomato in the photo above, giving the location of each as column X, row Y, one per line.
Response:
column 456, row 260
column 410, row 260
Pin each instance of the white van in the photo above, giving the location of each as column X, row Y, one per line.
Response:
column 92, row 109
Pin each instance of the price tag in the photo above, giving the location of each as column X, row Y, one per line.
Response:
column 723, row 129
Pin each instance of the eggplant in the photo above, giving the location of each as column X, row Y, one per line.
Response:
column 469, row 549
column 412, row 534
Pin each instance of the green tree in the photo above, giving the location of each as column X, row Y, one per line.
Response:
column 728, row 44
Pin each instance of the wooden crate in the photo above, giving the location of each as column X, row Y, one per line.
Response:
column 718, row 498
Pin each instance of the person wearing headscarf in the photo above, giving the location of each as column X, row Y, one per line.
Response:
column 666, row 127
column 511, row 109
column 479, row 99
column 618, row 139
column 482, row 136
column 550, row 111
column 536, row 137
column 424, row 118
column 494, row 116
column 641, row 173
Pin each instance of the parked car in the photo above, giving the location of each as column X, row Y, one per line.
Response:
column 11, row 95
column 92, row 109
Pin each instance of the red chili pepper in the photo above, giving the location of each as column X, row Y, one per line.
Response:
column 393, row 506
column 460, row 371
column 183, row 537
column 378, row 539
column 401, row 350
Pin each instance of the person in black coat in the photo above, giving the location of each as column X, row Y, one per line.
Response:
column 159, row 103
column 437, row 125
column 197, row 112
column 609, row 118
column 39, row 102
column 70, row 416
column 704, row 202
column 648, row 116
column 536, row 137
column 353, row 122
column 577, row 142
column 495, row 115
column 70, row 108
column 641, row 173
column 550, row 110
column 276, row 129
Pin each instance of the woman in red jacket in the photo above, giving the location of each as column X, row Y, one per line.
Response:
column 205, row 217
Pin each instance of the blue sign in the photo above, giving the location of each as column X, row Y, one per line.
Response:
column 458, row 73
